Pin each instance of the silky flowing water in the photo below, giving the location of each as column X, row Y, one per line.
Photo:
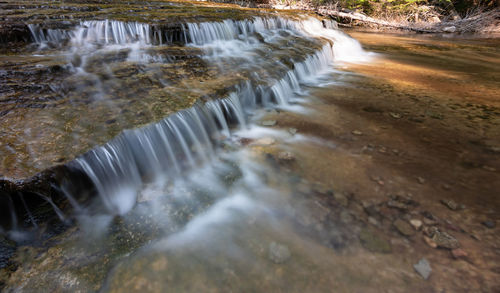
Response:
column 261, row 154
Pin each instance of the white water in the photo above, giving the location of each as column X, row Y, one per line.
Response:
column 163, row 153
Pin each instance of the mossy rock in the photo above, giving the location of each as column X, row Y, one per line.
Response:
column 372, row 241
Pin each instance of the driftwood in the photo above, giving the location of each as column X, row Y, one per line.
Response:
column 354, row 16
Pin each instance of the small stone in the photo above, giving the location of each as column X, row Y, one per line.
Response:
column 458, row 253
column 420, row 180
column 429, row 242
column 268, row 122
column 423, row 268
column 445, row 240
column 489, row 224
column 395, row 115
column 446, row 186
column 357, row 132
column 278, row 253
column 286, row 157
column 397, row 205
column 292, row 131
column 404, row 228
column 417, row 224
column 265, row 141
column 452, row 205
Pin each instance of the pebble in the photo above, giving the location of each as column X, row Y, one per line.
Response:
column 397, row 205
column 445, row 240
column 452, row 205
column 420, row 180
column 489, row 224
column 429, row 242
column 458, row 253
column 404, row 228
column 292, row 131
column 268, row 122
column 423, row 268
column 278, row 253
column 417, row 224
column 357, row 132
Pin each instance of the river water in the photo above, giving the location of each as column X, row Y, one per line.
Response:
column 292, row 180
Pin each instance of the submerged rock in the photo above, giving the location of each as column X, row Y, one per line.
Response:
column 373, row 241
column 458, row 253
column 417, row 224
column 404, row 228
column 445, row 240
column 423, row 268
column 429, row 242
column 452, row 205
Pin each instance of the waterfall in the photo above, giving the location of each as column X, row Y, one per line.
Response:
column 55, row 36
column 108, row 32
column 163, row 151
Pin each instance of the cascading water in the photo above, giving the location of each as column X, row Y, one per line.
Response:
column 182, row 178
column 164, row 151
column 185, row 139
